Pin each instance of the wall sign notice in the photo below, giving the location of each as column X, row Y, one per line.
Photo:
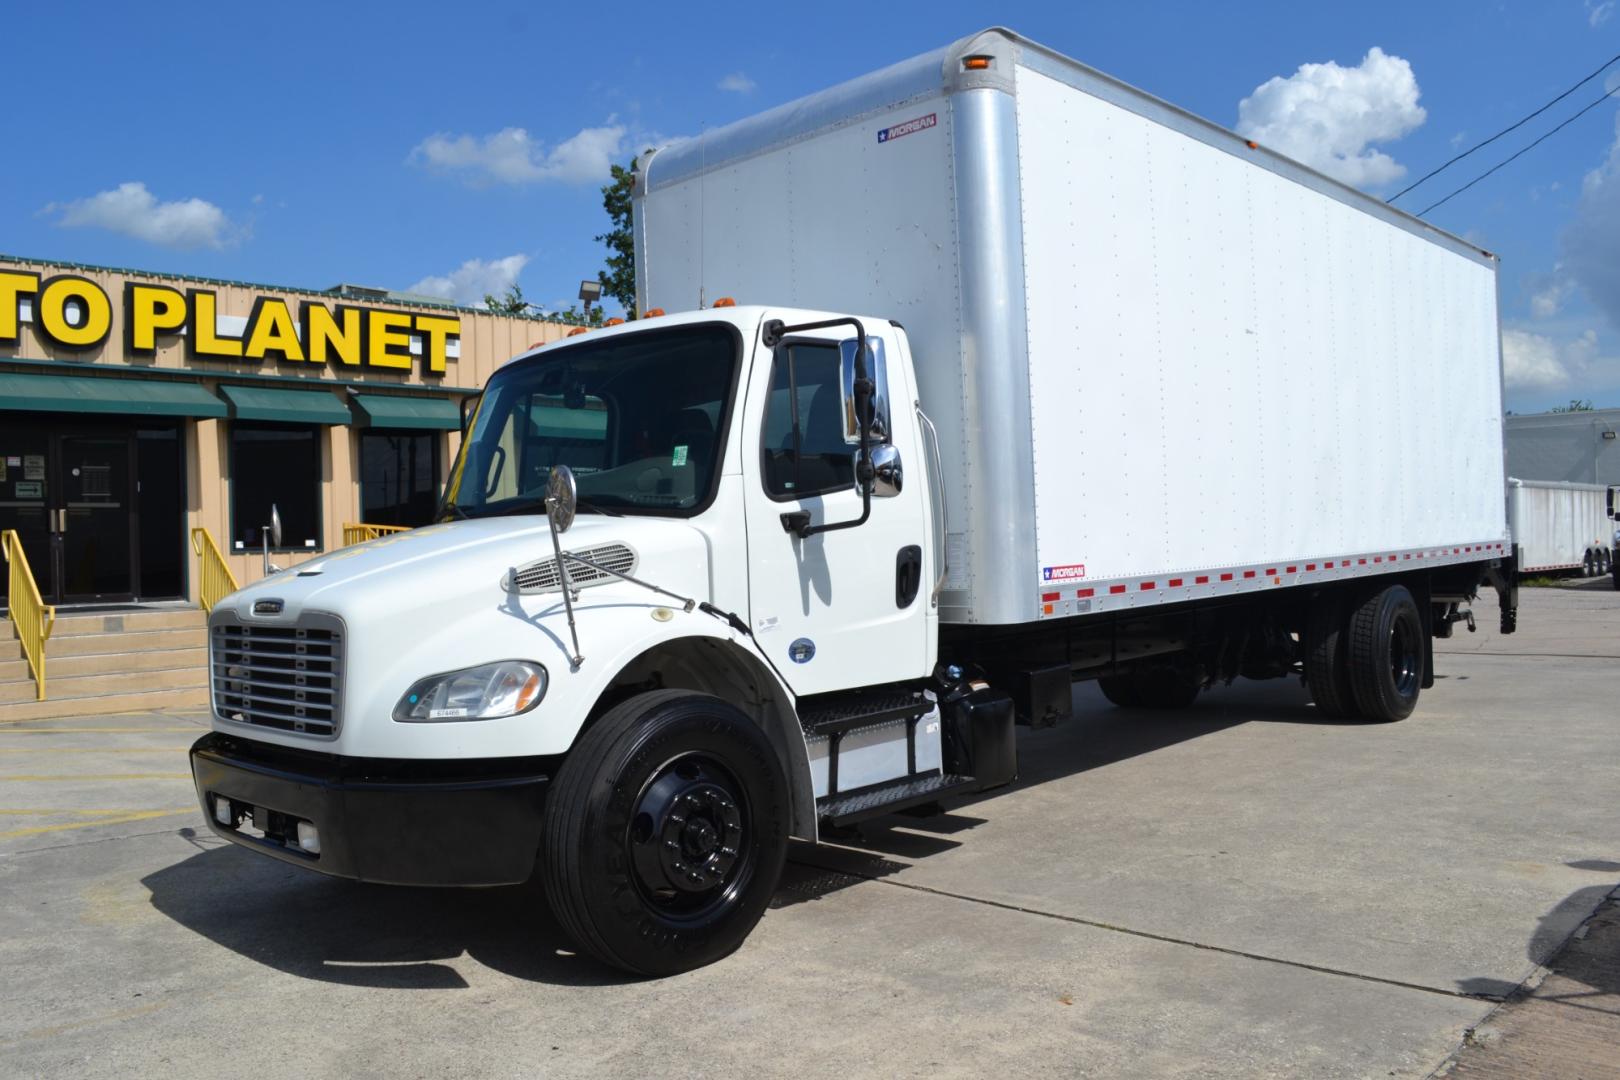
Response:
column 34, row 467
column 30, row 491
column 76, row 314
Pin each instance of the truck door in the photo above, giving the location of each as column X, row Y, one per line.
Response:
column 850, row 607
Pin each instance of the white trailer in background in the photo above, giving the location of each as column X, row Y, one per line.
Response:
column 1039, row 380
column 1561, row 527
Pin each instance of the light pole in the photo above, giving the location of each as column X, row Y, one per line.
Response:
column 590, row 291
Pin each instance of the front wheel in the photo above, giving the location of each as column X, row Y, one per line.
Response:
column 1384, row 653
column 666, row 831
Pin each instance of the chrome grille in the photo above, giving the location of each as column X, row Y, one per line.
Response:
column 289, row 678
column 538, row 577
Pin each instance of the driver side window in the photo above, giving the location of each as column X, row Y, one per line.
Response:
column 805, row 451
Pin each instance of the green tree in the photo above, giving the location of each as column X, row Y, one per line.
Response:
column 510, row 304
column 619, row 278
column 1575, row 405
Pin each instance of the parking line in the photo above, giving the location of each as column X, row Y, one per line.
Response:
column 93, row 749
column 140, row 815
column 32, row 778
column 88, row 730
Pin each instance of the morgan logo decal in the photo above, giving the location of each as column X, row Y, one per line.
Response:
column 910, row 127
column 1072, row 572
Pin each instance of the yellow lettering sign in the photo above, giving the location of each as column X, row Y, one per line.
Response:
column 14, row 285
column 388, row 339
column 436, row 331
column 150, row 310
column 329, row 336
column 94, row 312
column 203, row 338
column 271, row 330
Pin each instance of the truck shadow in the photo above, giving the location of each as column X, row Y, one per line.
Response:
column 356, row 934
column 1594, row 962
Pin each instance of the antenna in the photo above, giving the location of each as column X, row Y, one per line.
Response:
column 703, row 179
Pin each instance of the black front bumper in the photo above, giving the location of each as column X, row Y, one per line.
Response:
column 400, row 822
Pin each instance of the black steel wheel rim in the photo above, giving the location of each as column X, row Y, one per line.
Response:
column 690, row 839
column 1404, row 658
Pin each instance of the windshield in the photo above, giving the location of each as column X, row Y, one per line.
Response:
column 639, row 418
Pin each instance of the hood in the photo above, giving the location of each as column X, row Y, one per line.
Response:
column 456, row 564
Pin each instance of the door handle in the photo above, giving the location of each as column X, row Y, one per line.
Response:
column 907, row 575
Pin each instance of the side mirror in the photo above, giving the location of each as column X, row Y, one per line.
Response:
column 872, row 405
column 275, row 526
column 887, row 474
column 562, row 497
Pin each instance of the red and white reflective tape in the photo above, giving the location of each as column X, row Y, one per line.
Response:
column 1118, row 593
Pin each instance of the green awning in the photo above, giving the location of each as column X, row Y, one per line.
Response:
column 285, row 406
column 420, row 413
column 78, row 393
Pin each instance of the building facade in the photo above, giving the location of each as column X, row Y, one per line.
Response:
column 137, row 407
column 1572, row 447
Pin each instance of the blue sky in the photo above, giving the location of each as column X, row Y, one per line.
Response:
column 454, row 149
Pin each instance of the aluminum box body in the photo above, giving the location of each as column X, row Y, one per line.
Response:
column 1165, row 365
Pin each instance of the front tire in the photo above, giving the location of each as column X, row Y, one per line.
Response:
column 666, row 831
column 1384, row 648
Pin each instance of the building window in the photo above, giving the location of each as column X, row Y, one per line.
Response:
column 280, row 465
column 399, row 477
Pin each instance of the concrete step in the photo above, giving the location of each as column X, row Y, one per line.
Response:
column 57, row 667
column 120, row 622
column 190, row 698
column 75, row 686
column 105, row 644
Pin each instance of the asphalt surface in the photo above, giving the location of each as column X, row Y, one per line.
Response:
column 1241, row 889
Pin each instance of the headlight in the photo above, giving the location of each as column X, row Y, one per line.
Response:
column 486, row 692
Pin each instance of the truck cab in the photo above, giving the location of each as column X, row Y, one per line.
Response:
column 731, row 640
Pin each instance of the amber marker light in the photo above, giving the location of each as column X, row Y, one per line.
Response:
column 578, row 330
column 615, row 321
column 652, row 313
column 725, row 301
column 976, row 63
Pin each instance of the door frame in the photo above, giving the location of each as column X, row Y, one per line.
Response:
column 56, row 503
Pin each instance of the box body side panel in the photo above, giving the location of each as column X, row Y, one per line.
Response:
column 1228, row 368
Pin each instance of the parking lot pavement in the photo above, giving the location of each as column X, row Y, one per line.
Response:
column 1240, row 889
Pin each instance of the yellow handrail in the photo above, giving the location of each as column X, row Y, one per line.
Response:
column 33, row 618
column 215, row 580
column 354, row 533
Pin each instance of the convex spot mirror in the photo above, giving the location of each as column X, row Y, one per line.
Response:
column 562, row 497
column 275, row 526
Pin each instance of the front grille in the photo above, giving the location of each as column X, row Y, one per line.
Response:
column 538, row 577
column 289, row 678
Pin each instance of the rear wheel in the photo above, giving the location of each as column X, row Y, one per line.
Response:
column 666, row 832
column 1384, row 650
column 1121, row 690
column 1326, row 672
column 1589, row 566
column 1152, row 688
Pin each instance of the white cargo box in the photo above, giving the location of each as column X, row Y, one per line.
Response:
column 1557, row 524
column 1165, row 364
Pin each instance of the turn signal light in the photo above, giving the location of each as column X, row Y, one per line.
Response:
column 652, row 313
column 725, row 301
column 578, row 330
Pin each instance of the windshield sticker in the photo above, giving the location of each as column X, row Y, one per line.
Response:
column 1073, row 572
column 678, row 458
column 910, row 127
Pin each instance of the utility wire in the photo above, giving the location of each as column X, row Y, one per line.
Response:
column 1526, row 150
column 1606, row 65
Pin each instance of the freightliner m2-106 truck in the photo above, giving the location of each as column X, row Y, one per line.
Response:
column 1047, row 381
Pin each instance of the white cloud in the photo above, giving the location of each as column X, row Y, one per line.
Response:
column 737, row 83
column 132, row 210
column 1592, row 239
column 513, row 156
column 1328, row 116
column 1550, row 294
column 1532, row 362
column 474, row 279
column 1598, row 13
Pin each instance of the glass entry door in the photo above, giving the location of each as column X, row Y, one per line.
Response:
column 95, row 556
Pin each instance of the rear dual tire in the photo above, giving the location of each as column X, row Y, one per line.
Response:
column 1154, row 688
column 1366, row 660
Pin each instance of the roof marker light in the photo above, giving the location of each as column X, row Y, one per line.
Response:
column 652, row 313
column 725, row 301
column 578, row 330
column 615, row 321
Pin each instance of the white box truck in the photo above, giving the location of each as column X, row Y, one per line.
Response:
column 1042, row 380
column 1561, row 527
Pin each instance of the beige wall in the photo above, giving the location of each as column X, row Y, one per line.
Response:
column 487, row 341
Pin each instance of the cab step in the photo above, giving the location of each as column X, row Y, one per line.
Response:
column 846, row 808
column 843, row 712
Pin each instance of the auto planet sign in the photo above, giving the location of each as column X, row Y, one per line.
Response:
column 76, row 314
